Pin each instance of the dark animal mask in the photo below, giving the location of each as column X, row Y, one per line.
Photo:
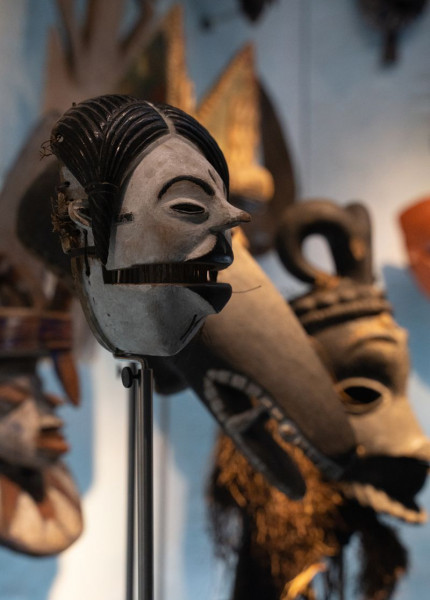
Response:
column 253, row 362
column 365, row 351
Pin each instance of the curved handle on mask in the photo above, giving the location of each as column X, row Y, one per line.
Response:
column 79, row 213
column 346, row 229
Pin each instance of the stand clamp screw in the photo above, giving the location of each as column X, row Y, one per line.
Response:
column 128, row 376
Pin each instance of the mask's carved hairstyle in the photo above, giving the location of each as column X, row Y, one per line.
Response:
column 101, row 140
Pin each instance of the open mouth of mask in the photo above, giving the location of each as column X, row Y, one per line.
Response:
column 388, row 485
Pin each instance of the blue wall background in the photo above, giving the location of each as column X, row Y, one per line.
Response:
column 356, row 132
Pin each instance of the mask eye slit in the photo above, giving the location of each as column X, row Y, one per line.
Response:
column 188, row 208
column 361, row 395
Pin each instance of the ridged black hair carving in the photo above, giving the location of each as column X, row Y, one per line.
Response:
column 100, row 141
column 191, row 129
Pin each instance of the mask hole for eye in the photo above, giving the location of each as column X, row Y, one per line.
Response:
column 187, row 208
column 235, row 400
column 361, row 396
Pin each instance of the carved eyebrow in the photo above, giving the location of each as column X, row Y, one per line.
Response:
column 200, row 182
column 384, row 337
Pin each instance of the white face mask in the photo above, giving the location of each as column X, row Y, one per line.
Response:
column 168, row 242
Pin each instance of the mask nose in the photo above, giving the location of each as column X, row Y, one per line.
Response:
column 421, row 449
column 231, row 218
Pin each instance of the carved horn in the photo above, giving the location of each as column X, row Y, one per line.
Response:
column 346, row 229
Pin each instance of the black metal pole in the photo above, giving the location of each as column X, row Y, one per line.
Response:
column 131, row 486
column 140, row 480
column 145, row 486
column 163, row 491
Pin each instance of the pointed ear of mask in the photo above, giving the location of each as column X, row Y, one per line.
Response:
column 79, row 212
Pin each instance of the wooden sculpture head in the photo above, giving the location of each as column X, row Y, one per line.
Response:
column 30, row 431
column 143, row 211
column 40, row 511
column 352, row 328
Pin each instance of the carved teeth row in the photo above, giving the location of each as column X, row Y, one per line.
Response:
column 377, row 499
column 184, row 273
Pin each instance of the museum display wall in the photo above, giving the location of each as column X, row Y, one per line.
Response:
column 356, row 130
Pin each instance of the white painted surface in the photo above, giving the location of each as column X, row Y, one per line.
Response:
column 356, row 132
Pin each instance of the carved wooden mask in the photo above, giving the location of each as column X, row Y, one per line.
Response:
column 145, row 216
column 365, row 351
column 40, row 510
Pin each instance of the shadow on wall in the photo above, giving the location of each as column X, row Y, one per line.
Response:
column 412, row 310
column 191, row 434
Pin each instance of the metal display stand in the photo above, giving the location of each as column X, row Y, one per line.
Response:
column 140, row 500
